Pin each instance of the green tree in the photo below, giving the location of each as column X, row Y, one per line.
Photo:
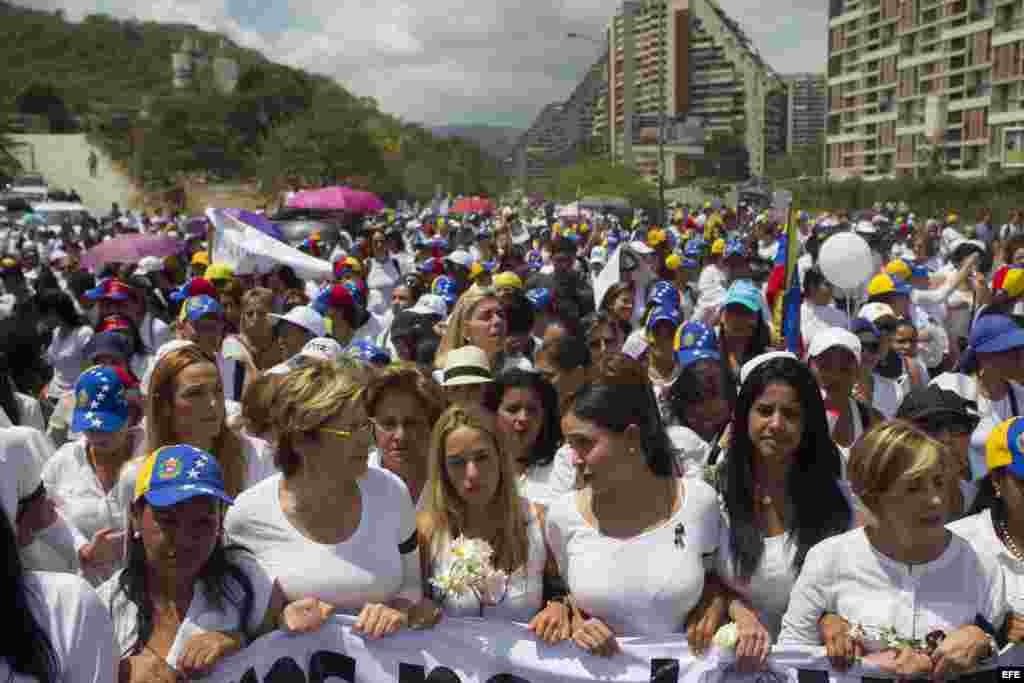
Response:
column 9, row 163
column 597, row 176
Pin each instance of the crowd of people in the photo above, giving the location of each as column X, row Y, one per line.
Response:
column 194, row 456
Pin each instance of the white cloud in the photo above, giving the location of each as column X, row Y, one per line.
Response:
column 457, row 59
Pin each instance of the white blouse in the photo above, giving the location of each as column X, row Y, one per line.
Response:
column 980, row 532
column 846, row 575
column 525, row 593
column 644, row 585
column 544, row 484
column 66, row 354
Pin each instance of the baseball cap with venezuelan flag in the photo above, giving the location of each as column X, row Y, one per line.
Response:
column 174, row 474
column 1005, row 447
column 1010, row 279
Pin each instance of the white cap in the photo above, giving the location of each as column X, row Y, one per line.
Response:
column 23, row 451
column 466, row 365
column 875, row 310
column 306, row 318
column 758, row 361
column 431, row 304
column 832, row 337
column 322, row 348
column 866, row 228
column 461, row 257
column 149, row 265
column 640, row 248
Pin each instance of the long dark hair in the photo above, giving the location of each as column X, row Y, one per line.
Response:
column 542, row 452
column 222, row 580
column 815, row 505
column 61, row 304
column 688, row 390
column 29, row 650
column 622, row 396
column 758, row 343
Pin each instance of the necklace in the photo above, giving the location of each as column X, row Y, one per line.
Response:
column 1008, row 541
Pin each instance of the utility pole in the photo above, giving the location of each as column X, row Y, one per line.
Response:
column 662, row 127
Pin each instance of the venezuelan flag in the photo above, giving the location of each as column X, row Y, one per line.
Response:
column 783, row 290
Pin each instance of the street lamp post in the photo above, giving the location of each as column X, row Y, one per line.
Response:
column 661, row 110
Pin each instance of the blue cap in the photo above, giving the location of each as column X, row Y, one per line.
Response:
column 196, row 307
column 174, row 474
column 694, row 248
column 991, row 334
column 747, row 294
column 735, row 248
column 446, row 288
column 101, row 403
column 368, row 352
column 540, row 298
column 664, row 294
column 663, row 314
column 696, row 341
column 919, row 271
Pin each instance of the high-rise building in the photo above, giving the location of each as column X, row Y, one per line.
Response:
column 807, row 97
column 923, row 86
column 688, row 61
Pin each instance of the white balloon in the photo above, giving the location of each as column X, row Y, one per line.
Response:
column 845, row 259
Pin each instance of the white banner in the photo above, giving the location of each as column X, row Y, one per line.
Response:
column 248, row 250
column 479, row 651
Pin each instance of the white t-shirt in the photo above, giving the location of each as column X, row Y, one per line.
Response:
column 383, row 277
column 375, row 461
column 815, row 318
column 72, row 484
column 846, row 575
column 544, row 484
column 202, row 616
column 524, row 595
column 378, row 563
column 980, row 532
column 77, row 625
column 66, row 354
column 644, row 585
column 887, row 395
column 991, row 413
column 29, row 410
column 691, row 450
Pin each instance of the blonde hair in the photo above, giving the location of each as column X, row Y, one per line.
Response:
column 447, row 512
column 891, row 452
column 306, row 398
column 455, row 332
column 406, row 378
column 227, row 447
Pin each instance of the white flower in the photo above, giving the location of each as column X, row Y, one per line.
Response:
column 726, row 637
column 469, row 570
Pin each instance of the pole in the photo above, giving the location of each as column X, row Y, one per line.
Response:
column 661, row 110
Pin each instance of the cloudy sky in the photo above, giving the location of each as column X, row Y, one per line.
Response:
column 453, row 61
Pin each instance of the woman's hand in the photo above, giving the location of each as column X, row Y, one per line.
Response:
column 305, row 615
column 553, row 624
column 840, row 648
column 902, row 662
column 1015, row 628
column 753, row 642
column 376, row 620
column 146, row 667
column 960, row 651
column 204, row 650
column 704, row 620
column 594, row 636
column 107, row 546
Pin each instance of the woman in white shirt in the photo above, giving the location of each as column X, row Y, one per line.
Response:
column 404, row 403
column 328, row 526
column 902, row 571
column 65, row 353
column 527, row 408
column 998, row 531
column 780, row 494
column 184, row 600
column 989, row 374
column 472, row 495
column 82, row 476
column 58, row 629
column 631, row 506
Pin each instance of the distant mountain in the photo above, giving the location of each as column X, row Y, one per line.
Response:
column 496, row 141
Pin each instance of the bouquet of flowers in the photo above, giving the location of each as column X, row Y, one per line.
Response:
column 471, row 571
column 887, row 638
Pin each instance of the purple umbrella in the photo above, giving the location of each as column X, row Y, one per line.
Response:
column 131, row 249
column 337, row 199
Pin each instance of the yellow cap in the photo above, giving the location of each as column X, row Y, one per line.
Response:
column 673, row 262
column 201, row 258
column 219, row 271
column 507, row 279
column 656, row 237
column 1005, row 446
column 898, row 269
column 718, row 247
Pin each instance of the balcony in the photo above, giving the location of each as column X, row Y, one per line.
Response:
column 969, row 103
column 1008, row 32
column 968, row 29
column 1003, row 112
column 921, row 59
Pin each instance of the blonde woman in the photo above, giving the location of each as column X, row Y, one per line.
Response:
column 478, row 319
column 902, row 571
column 472, row 493
column 328, row 526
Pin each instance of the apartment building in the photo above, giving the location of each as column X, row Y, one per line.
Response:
column 807, row 95
column 920, row 84
column 688, row 60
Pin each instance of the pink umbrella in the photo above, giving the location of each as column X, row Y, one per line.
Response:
column 473, row 205
column 131, row 249
column 337, row 199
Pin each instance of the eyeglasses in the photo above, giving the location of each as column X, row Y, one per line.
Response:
column 362, row 428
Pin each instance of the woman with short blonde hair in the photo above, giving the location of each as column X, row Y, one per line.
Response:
column 478, row 319
column 328, row 526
